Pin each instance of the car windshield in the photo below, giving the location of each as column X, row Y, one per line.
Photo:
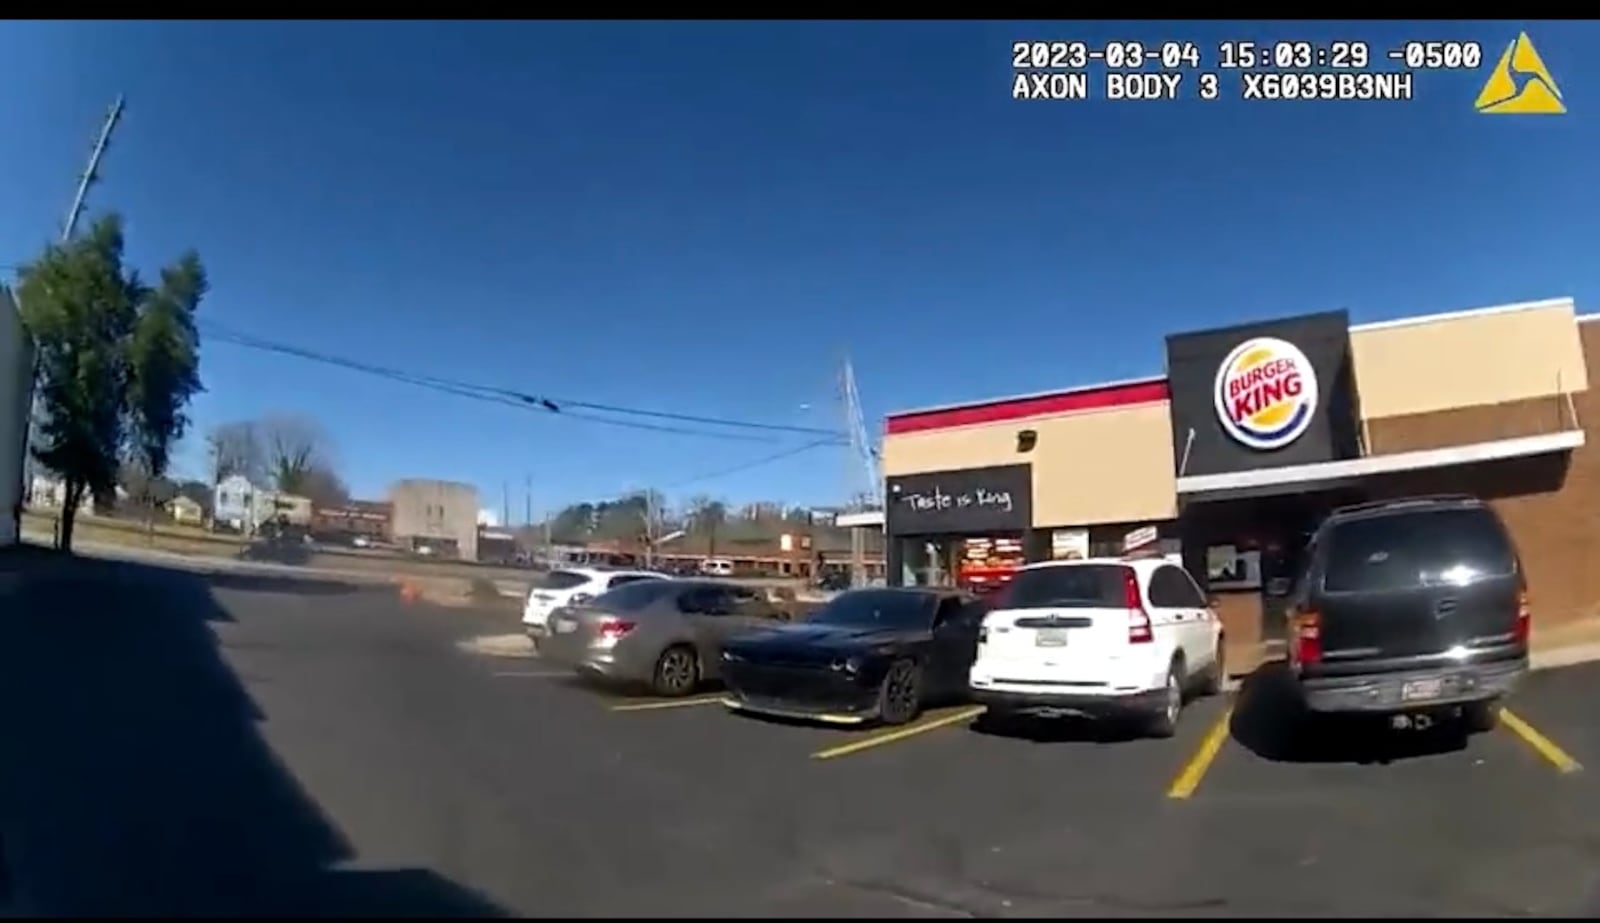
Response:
column 1067, row 586
column 877, row 608
column 1400, row 552
column 562, row 580
column 632, row 597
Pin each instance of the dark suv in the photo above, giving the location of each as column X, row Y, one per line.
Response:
column 1412, row 606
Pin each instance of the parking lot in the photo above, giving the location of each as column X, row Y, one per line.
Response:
column 226, row 744
column 1234, row 816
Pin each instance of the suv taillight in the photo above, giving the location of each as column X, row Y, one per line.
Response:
column 1524, row 625
column 1307, row 637
column 1139, row 628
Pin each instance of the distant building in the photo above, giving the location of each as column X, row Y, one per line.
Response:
column 186, row 511
column 234, row 503
column 439, row 515
column 367, row 518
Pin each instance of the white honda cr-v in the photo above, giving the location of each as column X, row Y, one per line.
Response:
column 1099, row 638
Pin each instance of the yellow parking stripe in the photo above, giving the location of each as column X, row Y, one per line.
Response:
column 1541, row 744
column 1195, row 770
column 670, row 703
column 890, row 736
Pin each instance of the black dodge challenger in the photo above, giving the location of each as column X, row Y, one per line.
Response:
column 867, row 655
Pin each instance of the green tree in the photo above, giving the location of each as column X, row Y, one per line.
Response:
column 81, row 308
column 117, row 361
column 163, row 368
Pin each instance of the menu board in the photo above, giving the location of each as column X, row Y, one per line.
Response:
column 987, row 563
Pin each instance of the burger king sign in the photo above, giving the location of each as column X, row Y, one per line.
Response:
column 1266, row 393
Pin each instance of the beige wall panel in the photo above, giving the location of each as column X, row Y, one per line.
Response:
column 1092, row 467
column 1450, row 361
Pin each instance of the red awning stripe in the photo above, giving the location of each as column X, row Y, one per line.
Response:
column 1100, row 397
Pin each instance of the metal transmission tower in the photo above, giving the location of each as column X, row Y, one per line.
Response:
column 863, row 477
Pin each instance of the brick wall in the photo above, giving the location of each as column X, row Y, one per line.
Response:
column 1551, row 504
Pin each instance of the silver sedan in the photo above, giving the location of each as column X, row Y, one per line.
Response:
column 666, row 634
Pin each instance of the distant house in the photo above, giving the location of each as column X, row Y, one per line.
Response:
column 186, row 511
column 234, row 503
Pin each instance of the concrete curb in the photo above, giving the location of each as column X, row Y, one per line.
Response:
column 1569, row 655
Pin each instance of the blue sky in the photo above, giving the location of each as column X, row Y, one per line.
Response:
column 705, row 217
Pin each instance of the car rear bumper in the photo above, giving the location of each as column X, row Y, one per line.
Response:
column 615, row 664
column 1387, row 692
column 1068, row 704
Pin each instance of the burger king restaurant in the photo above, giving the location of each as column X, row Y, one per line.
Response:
column 1228, row 460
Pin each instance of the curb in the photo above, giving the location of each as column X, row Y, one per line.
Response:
column 1569, row 655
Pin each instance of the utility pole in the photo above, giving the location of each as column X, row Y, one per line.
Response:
column 527, row 499
column 90, row 174
column 505, row 504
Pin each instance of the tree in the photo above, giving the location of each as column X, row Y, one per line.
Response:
column 164, row 364
column 85, row 313
column 706, row 517
column 323, row 486
column 294, row 446
column 235, row 448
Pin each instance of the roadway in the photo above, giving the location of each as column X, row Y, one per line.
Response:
column 247, row 743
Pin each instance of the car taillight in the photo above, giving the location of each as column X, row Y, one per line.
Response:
column 1308, row 637
column 611, row 629
column 1524, row 619
column 1139, row 628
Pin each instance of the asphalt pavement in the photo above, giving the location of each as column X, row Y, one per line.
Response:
column 190, row 744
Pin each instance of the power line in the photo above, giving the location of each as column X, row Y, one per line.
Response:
column 560, row 406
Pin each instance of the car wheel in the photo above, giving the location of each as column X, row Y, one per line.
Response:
column 900, row 696
column 1164, row 723
column 1480, row 717
column 1217, row 676
column 677, row 672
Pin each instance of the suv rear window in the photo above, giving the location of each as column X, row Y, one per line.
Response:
column 1410, row 550
column 562, row 580
column 1070, row 586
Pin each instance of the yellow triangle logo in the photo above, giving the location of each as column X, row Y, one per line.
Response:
column 1538, row 94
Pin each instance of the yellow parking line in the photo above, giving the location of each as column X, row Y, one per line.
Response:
column 1541, row 744
column 889, row 737
column 1195, row 770
column 670, row 703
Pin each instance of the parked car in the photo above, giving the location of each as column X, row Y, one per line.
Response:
column 878, row 654
column 667, row 634
column 1411, row 607
column 1099, row 638
column 571, row 586
column 716, row 567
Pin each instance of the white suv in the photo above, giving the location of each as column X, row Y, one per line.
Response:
column 1099, row 638
column 570, row 586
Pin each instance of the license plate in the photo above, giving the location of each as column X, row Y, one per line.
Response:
column 1421, row 689
column 566, row 626
column 1050, row 637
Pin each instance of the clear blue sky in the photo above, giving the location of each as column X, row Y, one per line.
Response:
column 706, row 217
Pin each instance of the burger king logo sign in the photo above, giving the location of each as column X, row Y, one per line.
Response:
column 1266, row 393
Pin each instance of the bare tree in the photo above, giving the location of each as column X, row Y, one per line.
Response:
column 235, row 448
column 294, row 446
column 323, row 486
